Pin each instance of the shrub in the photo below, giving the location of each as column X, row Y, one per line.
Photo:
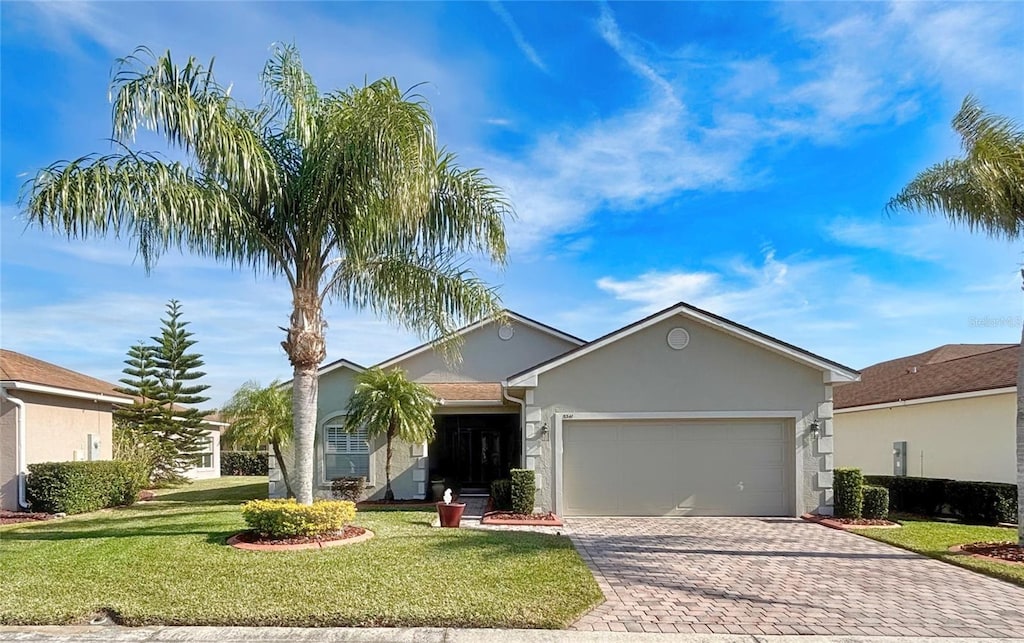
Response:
column 501, row 494
column 78, row 487
column 349, row 488
column 242, row 463
column 523, row 490
column 848, row 493
column 982, row 502
column 876, row 502
column 924, row 496
column 288, row 519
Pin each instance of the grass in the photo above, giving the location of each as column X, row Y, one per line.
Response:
column 933, row 539
column 165, row 562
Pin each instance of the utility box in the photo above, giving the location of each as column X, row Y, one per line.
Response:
column 93, row 446
column 899, row 458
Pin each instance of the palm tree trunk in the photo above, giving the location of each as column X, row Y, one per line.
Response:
column 389, row 495
column 306, row 348
column 1020, row 442
column 280, row 465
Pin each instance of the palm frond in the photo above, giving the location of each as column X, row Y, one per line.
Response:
column 387, row 401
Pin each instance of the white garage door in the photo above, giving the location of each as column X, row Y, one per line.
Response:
column 677, row 468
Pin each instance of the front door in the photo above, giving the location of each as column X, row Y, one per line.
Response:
column 473, row 450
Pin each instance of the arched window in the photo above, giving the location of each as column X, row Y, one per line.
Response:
column 345, row 454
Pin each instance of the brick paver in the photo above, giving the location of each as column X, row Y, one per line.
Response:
column 781, row 576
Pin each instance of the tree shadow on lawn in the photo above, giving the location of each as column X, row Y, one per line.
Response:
column 118, row 524
column 219, row 495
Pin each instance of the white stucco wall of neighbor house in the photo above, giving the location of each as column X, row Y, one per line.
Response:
column 716, row 375
column 971, row 438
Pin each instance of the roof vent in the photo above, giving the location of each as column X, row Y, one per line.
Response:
column 912, row 370
column 505, row 332
column 678, row 339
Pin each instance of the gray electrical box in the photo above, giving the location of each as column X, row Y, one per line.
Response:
column 899, row 458
column 93, row 446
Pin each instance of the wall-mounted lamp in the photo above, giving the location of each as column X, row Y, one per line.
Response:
column 814, row 427
column 542, row 432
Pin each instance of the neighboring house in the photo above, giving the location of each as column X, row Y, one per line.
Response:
column 950, row 412
column 209, row 458
column 49, row 413
column 681, row 413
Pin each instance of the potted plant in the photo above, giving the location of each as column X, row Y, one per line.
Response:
column 450, row 513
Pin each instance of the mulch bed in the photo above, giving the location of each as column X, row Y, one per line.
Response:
column 348, row 532
column 146, row 495
column 844, row 524
column 1004, row 551
column 14, row 517
column 534, row 520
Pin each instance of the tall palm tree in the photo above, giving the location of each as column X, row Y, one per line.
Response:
column 346, row 195
column 261, row 415
column 984, row 190
column 388, row 403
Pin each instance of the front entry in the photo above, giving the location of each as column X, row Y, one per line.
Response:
column 470, row 451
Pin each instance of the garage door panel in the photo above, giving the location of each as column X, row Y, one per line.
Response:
column 669, row 468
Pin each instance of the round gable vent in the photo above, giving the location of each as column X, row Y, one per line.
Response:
column 506, row 332
column 678, row 338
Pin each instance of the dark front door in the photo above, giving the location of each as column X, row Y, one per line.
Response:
column 473, row 450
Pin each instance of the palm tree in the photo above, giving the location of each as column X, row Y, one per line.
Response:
column 261, row 415
column 346, row 195
column 390, row 404
column 984, row 190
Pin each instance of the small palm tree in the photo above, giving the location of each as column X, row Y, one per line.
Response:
column 261, row 415
column 390, row 404
column 984, row 190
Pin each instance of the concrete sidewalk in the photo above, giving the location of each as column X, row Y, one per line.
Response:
column 160, row 634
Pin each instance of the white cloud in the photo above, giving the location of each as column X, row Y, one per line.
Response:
column 517, row 35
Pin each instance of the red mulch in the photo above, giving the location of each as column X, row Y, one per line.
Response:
column 507, row 515
column 146, row 495
column 1002, row 550
column 13, row 517
column 348, row 532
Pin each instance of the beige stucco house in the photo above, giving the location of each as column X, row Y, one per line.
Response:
column 681, row 413
column 47, row 414
column 949, row 412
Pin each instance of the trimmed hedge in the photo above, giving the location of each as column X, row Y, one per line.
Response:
column 982, row 502
column 977, row 502
column 924, row 496
column 501, row 495
column 876, row 502
column 243, row 463
column 523, row 490
column 349, row 488
column 79, row 487
column 287, row 519
column 848, row 498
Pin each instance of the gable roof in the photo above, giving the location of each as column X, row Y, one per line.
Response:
column 946, row 370
column 522, row 319
column 336, row 364
column 35, row 374
column 834, row 371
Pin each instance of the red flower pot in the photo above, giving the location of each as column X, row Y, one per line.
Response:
column 451, row 515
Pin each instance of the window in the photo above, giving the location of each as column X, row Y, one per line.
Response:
column 345, row 454
column 205, row 454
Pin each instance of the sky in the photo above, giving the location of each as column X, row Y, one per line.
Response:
column 734, row 155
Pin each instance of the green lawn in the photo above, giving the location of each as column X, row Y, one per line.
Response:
column 165, row 562
column 935, row 538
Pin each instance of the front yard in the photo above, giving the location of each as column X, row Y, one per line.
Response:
column 934, row 539
column 165, row 562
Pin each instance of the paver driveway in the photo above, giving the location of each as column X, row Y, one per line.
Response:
column 781, row 576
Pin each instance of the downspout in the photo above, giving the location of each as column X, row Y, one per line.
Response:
column 522, row 422
column 19, row 444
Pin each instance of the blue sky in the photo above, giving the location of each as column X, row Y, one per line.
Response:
column 736, row 156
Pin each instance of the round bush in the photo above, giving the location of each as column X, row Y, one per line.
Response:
column 876, row 502
column 288, row 519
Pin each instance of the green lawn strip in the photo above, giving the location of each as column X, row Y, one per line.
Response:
column 164, row 562
column 934, row 539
